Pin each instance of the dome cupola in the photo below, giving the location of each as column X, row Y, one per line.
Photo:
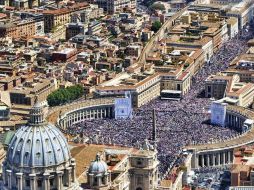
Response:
column 98, row 175
column 98, row 166
column 39, row 153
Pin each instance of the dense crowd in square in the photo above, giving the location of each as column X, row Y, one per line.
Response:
column 179, row 123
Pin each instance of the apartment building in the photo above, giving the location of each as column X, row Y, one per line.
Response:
column 73, row 29
column 243, row 11
column 133, row 50
column 63, row 54
column 242, row 172
column 21, row 4
column 59, row 17
column 215, row 85
column 86, row 15
column 176, row 81
column 10, row 82
column 4, row 111
column 243, row 66
column 25, row 93
column 230, row 90
column 143, row 87
column 111, row 6
column 233, row 29
column 94, row 28
column 10, row 65
column 21, row 28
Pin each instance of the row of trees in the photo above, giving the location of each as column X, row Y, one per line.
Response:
column 62, row 96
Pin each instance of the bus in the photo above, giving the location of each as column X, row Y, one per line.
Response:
column 171, row 95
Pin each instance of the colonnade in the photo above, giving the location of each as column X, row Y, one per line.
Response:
column 95, row 112
column 210, row 159
column 235, row 121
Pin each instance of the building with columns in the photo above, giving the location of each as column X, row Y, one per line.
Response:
column 38, row 157
column 221, row 153
column 242, row 171
column 106, row 167
column 97, row 175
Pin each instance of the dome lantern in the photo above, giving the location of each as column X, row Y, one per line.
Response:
column 38, row 113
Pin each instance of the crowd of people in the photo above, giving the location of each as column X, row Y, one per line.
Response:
column 179, row 123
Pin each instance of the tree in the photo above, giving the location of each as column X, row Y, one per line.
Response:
column 157, row 6
column 65, row 95
column 156, row 26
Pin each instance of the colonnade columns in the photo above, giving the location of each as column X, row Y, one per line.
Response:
column 19, row 181
column 33, row 182
column 46, row 184
column 219, row 160
column 229, row 157
column 223, row 158
column 99, row 181
column 4, row 174
column 91, row 179
column 81, row 116
column 214, row 160
column 73, row 173
column 202, row 161
column 67, row 180
column 65, row 124
column 109, row 112
column 9, row 176
column 85, row 114
column 59, row 180
column 101, row 113
column 69, row 120
column 208, row 160
column 98, row 112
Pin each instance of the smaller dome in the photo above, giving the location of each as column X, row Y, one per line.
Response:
column 98, row 166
